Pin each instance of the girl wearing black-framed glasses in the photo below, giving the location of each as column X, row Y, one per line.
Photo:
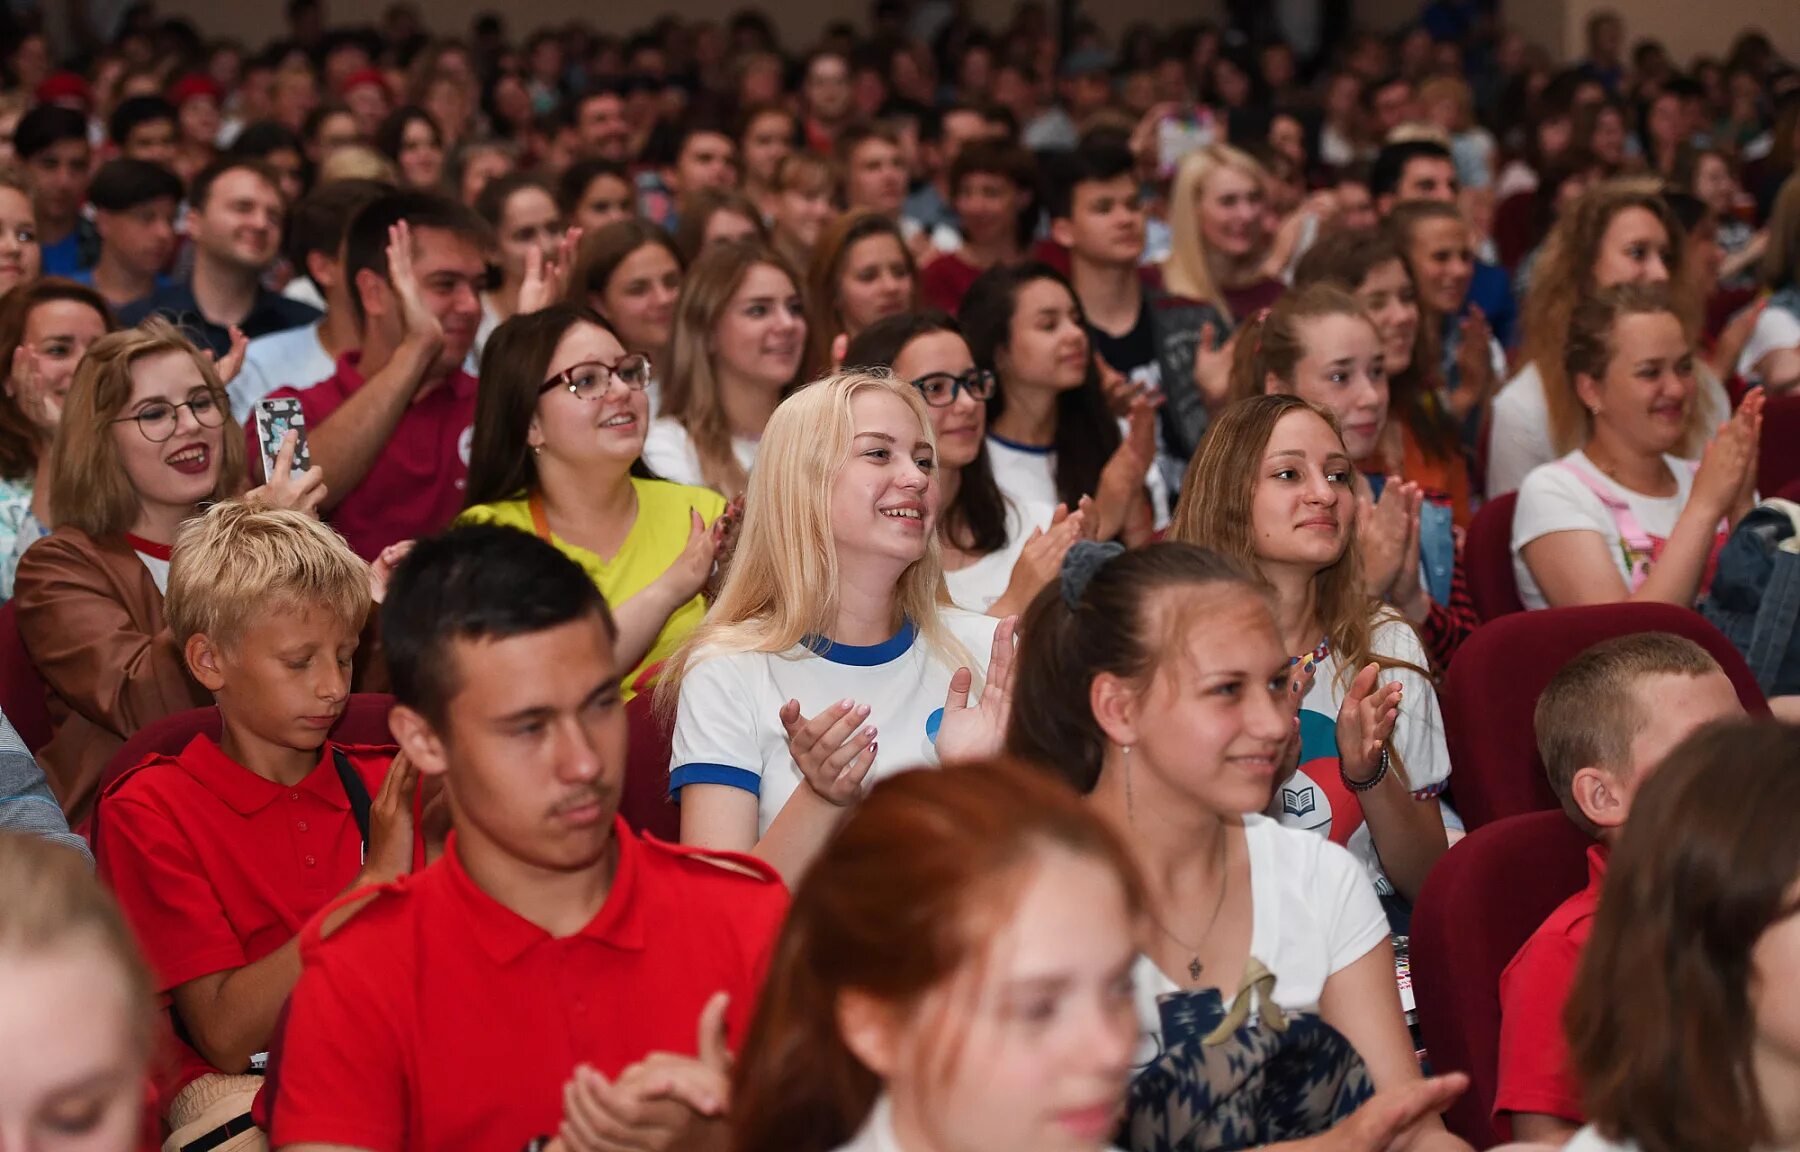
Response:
column 560, row 422
column 998, row 552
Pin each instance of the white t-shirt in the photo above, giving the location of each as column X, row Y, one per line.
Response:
column 1027, row 475
column 1316, row 799
column 1312, row 914
column 1590, row 1140
column 1520, row 439
column 728, row 722
column 1554, row 500
column 983, row 582
column 1775, row 329
column 158, row 567
column 670, row 452
column 291, row 359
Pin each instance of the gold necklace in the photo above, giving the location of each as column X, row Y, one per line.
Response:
column 1194, row 966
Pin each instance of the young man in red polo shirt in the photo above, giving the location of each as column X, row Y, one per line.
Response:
column 550, row 948
column 392, row 428
column 1604, row 723
column 220, row 854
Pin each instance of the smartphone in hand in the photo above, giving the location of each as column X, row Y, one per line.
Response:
column 274, row 420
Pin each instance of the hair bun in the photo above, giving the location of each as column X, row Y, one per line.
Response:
column 1080, row 563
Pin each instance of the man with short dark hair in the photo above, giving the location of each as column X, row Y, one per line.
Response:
column 450, row 1012
column 601, row 124
column 303, row 356
column 235, row 213
column 1158, row 342
column 393, row 426
column 694, row 154
column 52, row 143
column 135, row 203
column 943, row 133
column 144, row 128
column 825, row 95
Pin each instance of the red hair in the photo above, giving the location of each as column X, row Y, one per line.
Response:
column 928, row 869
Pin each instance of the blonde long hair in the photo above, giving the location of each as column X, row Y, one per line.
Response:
column 783, row 581
column 88, row 485
column 691, row 392
column 1187, row 272
column 1564, row 275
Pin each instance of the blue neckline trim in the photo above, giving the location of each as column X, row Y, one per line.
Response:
column 1034, row 449
column 864, row 655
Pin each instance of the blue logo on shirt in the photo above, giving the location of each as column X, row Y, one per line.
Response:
column 932, row 723
column 1298, row 801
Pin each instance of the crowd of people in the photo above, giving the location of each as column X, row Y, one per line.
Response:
column 1079, row 422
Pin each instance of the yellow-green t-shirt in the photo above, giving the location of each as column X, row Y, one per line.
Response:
column 656, row 539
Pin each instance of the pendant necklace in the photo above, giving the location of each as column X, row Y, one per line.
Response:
column 1194, row 966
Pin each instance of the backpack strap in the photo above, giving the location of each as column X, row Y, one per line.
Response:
column 356, row 792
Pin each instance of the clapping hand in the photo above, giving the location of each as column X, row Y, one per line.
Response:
column 663, row 1103
column 832, row 752
column 1365, row 722
column 976, row 731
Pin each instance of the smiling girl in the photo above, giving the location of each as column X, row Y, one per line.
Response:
column 629, row 273
column 45, row 329
column 739, row 336
column 1623, row 517
column 146, row 439
column 829, row 633
column 560, row 423
column 1273, row 487
column 861, row 271
column 1218, row 233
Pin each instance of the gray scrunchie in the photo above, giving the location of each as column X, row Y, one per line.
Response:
column 1080, row 563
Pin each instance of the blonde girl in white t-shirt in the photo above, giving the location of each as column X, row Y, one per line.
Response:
column 1155, row 682
column 1623, row 517
column 831, row 656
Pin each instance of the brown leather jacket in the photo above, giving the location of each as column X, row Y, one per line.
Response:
column 92, row 618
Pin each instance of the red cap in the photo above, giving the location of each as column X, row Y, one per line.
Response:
column 65, row 88
column 192, row 85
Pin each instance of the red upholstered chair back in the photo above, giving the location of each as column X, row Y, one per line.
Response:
column 645, row 804
column 21, row 688
column 1778, row 462
column 1487, row 558
column 1491, row 690
column 1479, row 905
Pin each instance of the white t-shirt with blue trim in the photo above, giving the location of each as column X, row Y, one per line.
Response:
column 728, row 722
column 1026, row 475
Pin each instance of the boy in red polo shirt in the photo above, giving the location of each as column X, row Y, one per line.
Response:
column 1604, row 723
column 220, row 854
column 550, row 948
column 393, row 426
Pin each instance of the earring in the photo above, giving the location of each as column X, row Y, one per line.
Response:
column 537, row 449
column 1125, row 754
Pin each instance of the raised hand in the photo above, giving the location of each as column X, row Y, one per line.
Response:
column 1212, row 367
column 976, row 731
column 547, row 280
column 725, row 538
column 1040, row 560
column 421, row 323
column 1385, row 1122
column 1365, row 722
column 832, row 752
column 29, row 387
column 1728, row 466
column 390, row 852
column 302, row 492
column 1406, row 593
column 229, row 365
column 382, row 570
column 1474, row 365
column 1122, row 480
column 1381, row 534
column 684, row 579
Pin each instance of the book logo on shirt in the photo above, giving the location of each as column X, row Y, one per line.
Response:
column 1299, row 801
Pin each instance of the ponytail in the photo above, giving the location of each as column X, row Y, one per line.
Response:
column 1269, row 343
column 1094, row 620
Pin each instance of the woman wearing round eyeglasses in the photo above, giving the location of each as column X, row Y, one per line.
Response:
column 559, row 434
column 146, row 440
column 998, row 551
